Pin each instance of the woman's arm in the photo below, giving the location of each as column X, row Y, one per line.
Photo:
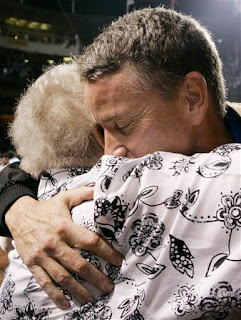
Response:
column 14, row 184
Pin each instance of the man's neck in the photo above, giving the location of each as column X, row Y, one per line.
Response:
column 212, row 134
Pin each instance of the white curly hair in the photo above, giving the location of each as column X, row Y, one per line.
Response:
column 52, row 128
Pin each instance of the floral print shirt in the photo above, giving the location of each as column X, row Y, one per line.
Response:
column 177, row 221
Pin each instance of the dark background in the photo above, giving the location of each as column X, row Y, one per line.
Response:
column 68, row 18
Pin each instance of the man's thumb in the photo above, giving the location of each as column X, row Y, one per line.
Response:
column 77, row 196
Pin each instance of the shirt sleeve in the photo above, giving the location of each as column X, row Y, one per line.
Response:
column 14, row 184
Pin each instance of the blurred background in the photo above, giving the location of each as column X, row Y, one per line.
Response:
column 35, row 34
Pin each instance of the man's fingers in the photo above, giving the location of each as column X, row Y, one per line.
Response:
column 45, row 242
column 76, row 196
column 85, row 239
column 73, row 261
column 49, row 287
column 62, row 279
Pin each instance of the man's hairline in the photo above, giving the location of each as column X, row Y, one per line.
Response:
column 134, row 83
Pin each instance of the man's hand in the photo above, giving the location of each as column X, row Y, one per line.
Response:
column 45, row 234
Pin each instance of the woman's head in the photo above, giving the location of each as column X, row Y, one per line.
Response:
column 52, row 127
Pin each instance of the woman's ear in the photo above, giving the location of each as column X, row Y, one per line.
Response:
column 195, row 97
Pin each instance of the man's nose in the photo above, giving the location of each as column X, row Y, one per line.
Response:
column 114, row 147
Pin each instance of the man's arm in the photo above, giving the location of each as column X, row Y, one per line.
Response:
column 14, row 184
column 45, row 234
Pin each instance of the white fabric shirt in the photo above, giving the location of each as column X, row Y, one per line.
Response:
column 175, row 218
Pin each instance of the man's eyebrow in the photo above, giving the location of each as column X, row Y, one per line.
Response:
column 108, row 117
column 104, row 119
column 114, row 116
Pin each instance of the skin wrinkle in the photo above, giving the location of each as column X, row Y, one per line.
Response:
column 152, row 118
column 121, row 91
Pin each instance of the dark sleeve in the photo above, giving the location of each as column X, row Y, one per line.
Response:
column 14, row 184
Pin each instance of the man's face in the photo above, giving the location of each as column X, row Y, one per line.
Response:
column 136, row 123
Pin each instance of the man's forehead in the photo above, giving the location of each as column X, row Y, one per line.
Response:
column 119, row 82
column 109, row 99
column 113, row 115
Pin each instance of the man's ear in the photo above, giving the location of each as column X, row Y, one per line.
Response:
column 194, row 95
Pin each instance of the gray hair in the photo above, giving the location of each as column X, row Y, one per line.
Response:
column 52, row 128
column 163, row 46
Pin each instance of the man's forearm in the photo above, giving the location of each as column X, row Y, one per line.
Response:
column 14, row 183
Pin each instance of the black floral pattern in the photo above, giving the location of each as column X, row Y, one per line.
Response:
column 147, row 234
column 130, row 307
column 105, row 183
column 137, row 172
column 6, row 303
column 98, row 164
column 142, row 197
column 216, row 262
column 32, row 286
column 115, row 211
column 28, row 313
column 53, row 192
column 113, row 272
column 214, row 169
column 186, row 301
column 150, row 271
column 174, row 201
column 153, row 222
column 65, row 291
column 153, row 162
column 221, row 301
column 92, row 258
column 134, row 316
column 50, row 179
column 182, row 165
column 114, row 163
column 227, row 149
column 190, row 200
column 78, row 171
column 230, row 213
column 93, row 310
column 180, row 256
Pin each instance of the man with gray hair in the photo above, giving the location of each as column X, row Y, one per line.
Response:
column 161, row 68
column 153, row 82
